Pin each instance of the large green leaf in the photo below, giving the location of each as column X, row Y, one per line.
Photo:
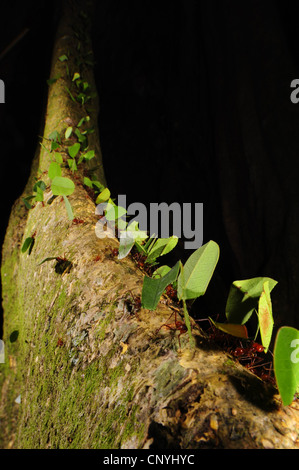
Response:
column 198, row 270
column 153, row 288
column 243, row 298
column 286, row 363
column 265, row 316
column 62, row 186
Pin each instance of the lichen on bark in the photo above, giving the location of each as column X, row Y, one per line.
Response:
column 89, row 372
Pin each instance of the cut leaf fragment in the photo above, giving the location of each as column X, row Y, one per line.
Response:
column 240, row 331
column 265, row 316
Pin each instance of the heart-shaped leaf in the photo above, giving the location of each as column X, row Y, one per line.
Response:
column 153, row 288
column 198, row 271
column 62, row 186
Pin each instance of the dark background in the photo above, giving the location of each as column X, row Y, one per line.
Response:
column 194, row 107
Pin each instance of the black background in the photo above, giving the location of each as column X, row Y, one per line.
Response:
column 155, row 71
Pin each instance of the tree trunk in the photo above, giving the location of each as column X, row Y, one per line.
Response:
column 89, row 372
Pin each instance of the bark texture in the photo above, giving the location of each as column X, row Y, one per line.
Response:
column 92, row 374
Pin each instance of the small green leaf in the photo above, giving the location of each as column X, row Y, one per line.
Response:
column 103, row 196
column 84, row 119
column 72, row 164
column 68, row 208
column 54, row 146
column 26, row 201
column 74, row 149
column 54, row 170
column 161, row 247
column 58, row 157
column 133, row 231
column 62, row 186
column 198, row 271
column 50, row 81
column 63, row 58
column 153, row 288
column 160, row 272
column 76, row 76
column 54, row 136
column 28, row 245
column 87, row 181
column 286, row 363
column 265, row 316
column 114, row 212
column 89, row 155
column 68, row 132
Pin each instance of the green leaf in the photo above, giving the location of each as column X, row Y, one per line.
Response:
column 153, row 288
column 68, row 132
column 72, row 164
column 58, row 157
column 114, row 212
column 89, row 155
column 198, row 271
column 133, row 231
column 39, row 189
column 68, row 208
column 103, row 196
column 76, row 76
column 50, row 81
column 126, row 243
column 161, row 247
column 243, row 298
column 286, row 363
column 54, row 170
column 63, row 58
column 26, row 201
column 28, row 245
column 74, row 149
column 265, row 316
column 62, row 186
column 82, row 120
column 160, row 272
column 54, row 146
column 54, row 136
column 39, row 185
column 87, row 181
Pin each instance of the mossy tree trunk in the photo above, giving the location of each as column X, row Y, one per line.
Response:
column 89, row 372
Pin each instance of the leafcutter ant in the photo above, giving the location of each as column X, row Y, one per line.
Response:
column 176, row 326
